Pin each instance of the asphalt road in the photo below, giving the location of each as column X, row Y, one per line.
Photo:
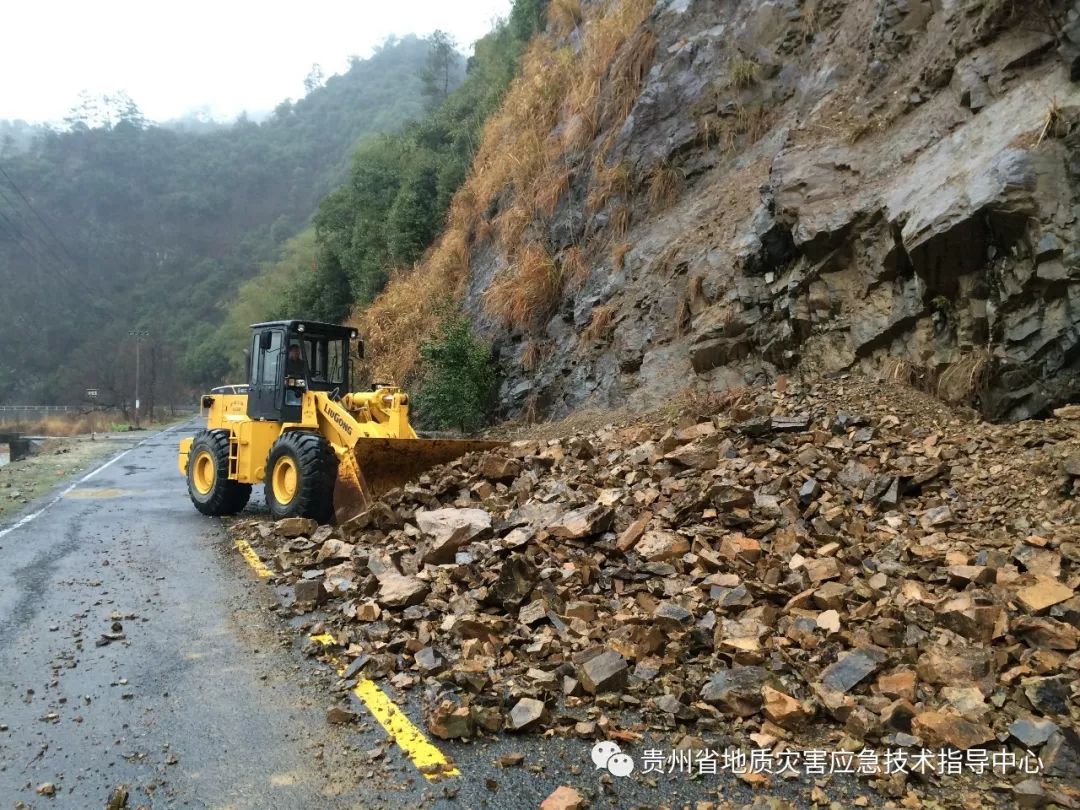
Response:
column 202, row 697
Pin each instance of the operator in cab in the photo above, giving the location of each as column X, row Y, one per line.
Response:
column 294, row 362
column 295, row 367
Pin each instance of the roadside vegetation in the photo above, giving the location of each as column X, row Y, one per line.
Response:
column 546, row 131
column 394, row 203
column 457, row 384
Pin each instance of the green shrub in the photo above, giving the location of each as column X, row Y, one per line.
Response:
column 458, row 379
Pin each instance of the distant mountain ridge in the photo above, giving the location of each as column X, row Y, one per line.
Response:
column 146, row 227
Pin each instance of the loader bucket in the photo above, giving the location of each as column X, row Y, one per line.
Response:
column 376, row 466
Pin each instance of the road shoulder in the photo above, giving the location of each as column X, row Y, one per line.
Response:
column 27, row 484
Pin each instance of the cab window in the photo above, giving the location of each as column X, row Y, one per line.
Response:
column 326, row 360
column 270, row 360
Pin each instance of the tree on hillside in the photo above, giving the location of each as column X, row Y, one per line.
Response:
column 400, row 187
column 314, row 78
column 104, row 111
column 126, row 110
column 458, row 378
column 442, row 57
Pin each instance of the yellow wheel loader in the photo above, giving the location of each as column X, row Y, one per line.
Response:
column 320, row 451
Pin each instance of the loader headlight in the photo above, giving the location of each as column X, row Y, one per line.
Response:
column 388, row 401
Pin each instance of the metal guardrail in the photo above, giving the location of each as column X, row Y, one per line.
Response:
column 16, row 413
column 38, row 408
column 81, row 409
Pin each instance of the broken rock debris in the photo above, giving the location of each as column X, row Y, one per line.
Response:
column 904, row 575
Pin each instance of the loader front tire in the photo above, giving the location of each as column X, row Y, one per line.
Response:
column 208, row 476
column 300, row 475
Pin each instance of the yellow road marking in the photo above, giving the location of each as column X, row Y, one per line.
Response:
column 428, row 759
column 110, row 492
column 244, row 547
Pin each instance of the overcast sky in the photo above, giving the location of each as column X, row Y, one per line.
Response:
column 227, row 55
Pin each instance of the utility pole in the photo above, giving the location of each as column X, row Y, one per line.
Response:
column 138, row 335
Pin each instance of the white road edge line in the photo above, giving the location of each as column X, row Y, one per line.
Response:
column 24, row 520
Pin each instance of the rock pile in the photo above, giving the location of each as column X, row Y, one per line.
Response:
column 845, row 564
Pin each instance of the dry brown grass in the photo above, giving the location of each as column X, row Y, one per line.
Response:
column 665, row 185
column 464, row 215
column 510, row 225
column 600, row 323
column 961, row 383
column 530, row 411
column 626, row 77
column 71, row 424
column 752, row 122
column 600, row 88
column 710, row 130
column 531, row 355
column 900, row 371
column 454, row 254
column 575, row 268
column 618, row 255
column 526, row 293
column 564, row 16
column 811, row 14
column 695, row 287
column 697, row 403
column 608, row 183
column 866, row 125
column 964, row 380
column 550, row 188
column 1050, row 123
column 743, row 72
column 483, row 231
column 621, row 217
column 529, row 149
column 683, row 317
column 666, row 261
column 579, row 133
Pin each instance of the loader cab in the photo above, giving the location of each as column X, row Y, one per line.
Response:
column 289, row 358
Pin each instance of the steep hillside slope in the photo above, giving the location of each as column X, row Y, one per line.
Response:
column 688, row 194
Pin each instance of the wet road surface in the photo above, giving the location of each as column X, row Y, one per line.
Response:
column 137, row 647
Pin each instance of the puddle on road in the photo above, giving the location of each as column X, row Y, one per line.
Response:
column 109, row 492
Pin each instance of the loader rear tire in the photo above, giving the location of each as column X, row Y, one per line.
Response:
column 300, row 475
column 208, row 476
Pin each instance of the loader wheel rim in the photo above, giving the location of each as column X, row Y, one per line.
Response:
column 284, row 480
column 204, row 473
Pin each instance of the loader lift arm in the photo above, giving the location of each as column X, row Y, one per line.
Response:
column 377, row 448
column 318, row 452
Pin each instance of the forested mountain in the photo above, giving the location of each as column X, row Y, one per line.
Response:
column 394, row 202
column 121, row 225
column 17, row 136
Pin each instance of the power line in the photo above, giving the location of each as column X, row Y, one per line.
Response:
column 19, row 240
column 45, row 261
column 28, row 230
column 68, row 270
column 40, row 218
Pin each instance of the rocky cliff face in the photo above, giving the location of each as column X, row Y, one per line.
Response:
column 811, row 187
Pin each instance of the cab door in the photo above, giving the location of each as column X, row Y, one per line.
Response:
column 266, row 389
